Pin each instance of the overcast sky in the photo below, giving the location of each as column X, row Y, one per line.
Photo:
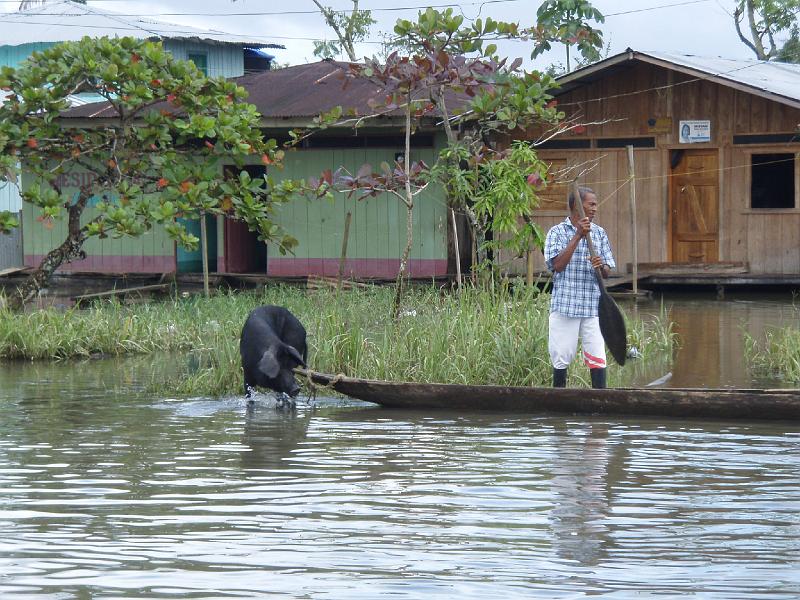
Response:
column 702, row 27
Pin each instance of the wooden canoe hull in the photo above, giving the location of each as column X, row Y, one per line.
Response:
column 756, row 404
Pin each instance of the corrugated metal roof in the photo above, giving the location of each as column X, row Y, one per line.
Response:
column 62, row 21
column 308, row 90
column 301, row 92
column 775, row 80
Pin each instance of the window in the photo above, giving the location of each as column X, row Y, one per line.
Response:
column 643, row 142
column 766, row 138
column 772, row 180
column 200, row 61
column 557, row 144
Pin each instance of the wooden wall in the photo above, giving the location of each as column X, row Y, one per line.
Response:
column 223, row 60
column 624, row 100
column 377, row 232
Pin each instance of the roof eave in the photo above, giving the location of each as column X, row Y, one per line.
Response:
column 272, row 123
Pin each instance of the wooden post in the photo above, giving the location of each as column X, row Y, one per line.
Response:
column 344, row 248
column 634, row 241
column 204, row 251
column 455, row 246
column 529, row 265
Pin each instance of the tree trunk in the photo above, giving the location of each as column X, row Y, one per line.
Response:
column 401, row 274
column 409, row 202
column 455, row 243
column 67, row 251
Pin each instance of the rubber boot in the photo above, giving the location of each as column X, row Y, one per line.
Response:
column 598, row 378
column 559, row 378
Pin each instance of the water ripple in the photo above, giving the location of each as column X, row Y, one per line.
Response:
column 138, row 497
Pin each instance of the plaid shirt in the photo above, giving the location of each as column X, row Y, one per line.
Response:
column 575, row 290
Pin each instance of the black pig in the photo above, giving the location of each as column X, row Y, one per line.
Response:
column 273, row 343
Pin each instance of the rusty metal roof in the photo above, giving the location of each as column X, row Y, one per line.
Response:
column 296, row 93
column 308, row 90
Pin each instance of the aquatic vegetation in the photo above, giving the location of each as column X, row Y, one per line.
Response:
column 474, row 337
column 778, row 354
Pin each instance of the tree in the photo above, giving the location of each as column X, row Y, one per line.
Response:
column 790, row 51
column 765, row 20
column 483, row 182
column 568, row 22
column 349, row 29
column 157, row 158
column 451, row 76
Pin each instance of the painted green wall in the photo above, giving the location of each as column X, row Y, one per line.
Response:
column 223, row 60
column 152, row 252
column 378, row 226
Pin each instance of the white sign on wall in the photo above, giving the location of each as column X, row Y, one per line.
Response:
column 694, row 132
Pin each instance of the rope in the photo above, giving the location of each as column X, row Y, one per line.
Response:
column 667, row 176
column 322, row 386
column 614, row 193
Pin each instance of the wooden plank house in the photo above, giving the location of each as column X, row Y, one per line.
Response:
column 717, row 175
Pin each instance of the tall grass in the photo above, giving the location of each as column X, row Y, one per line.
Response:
column 777, row 355
column 475, row 337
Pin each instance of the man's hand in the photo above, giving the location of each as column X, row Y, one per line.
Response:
column 584, row 226
column 597, row 263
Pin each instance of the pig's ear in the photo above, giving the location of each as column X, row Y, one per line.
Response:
column 269, row 364
column 294, row 354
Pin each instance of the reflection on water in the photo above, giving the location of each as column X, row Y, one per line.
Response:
column 711, row 350
column 581, row 490
column 106, row 492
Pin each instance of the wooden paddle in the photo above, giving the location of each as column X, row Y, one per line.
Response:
column 612, row 323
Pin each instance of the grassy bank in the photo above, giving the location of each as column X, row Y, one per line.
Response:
column 476, row 337
column 778, row 354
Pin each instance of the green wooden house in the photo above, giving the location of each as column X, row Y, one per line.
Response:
column 289, row 98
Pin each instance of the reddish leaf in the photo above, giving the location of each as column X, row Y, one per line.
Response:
column 534, row 180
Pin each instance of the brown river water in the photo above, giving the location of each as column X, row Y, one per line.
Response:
column 108, row 492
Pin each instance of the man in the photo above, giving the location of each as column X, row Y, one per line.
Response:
column 575, row 295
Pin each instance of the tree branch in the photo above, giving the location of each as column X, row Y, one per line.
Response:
column 737, row 19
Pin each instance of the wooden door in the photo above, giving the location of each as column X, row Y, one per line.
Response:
column 244, row 252
column 694, row 207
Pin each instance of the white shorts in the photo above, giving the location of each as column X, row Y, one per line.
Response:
column 563, row 341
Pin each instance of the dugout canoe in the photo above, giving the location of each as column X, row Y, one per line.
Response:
column 752, row 404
